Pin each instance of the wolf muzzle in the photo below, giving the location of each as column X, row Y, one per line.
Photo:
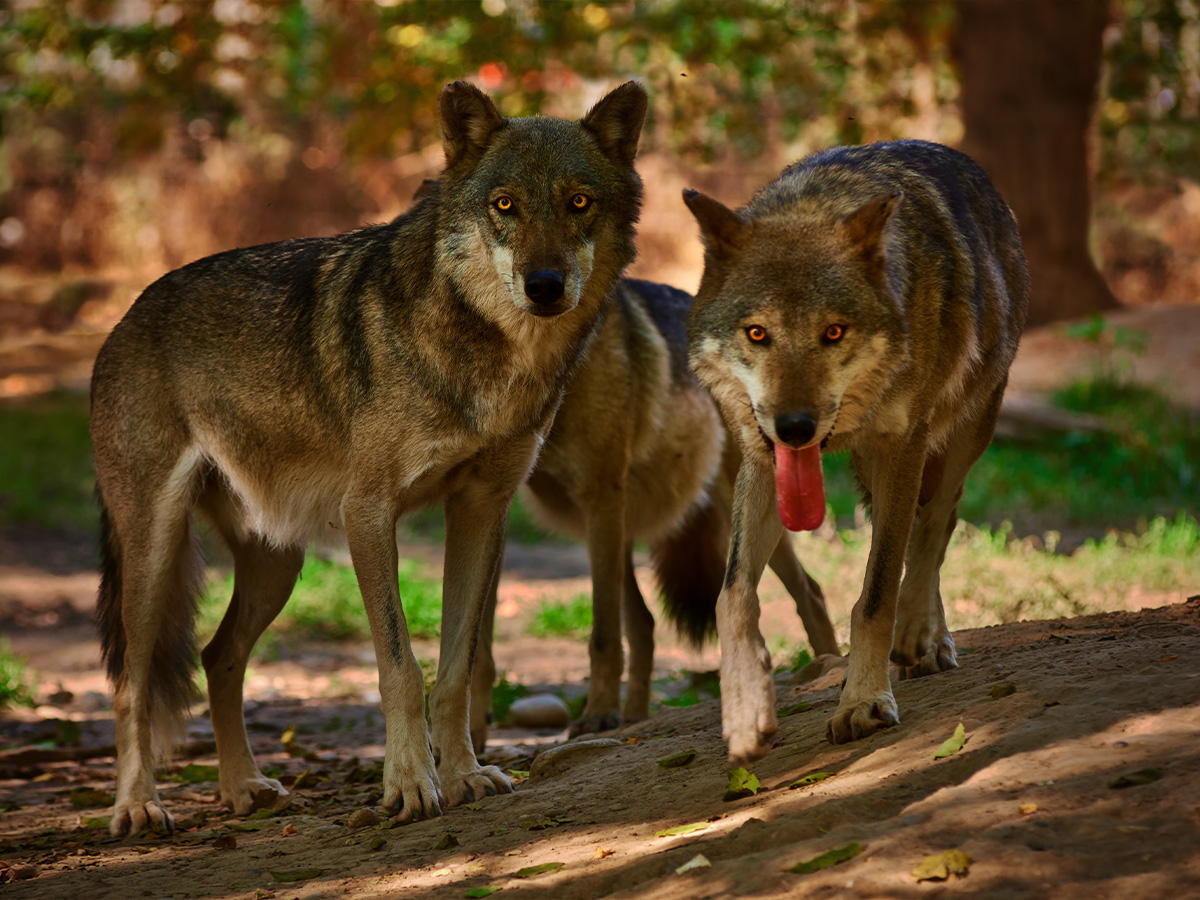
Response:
column 545, row 288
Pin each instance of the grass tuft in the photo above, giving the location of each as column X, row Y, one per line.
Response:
column 572, row 619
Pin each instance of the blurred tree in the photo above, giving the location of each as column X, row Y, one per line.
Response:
column 1029, row 75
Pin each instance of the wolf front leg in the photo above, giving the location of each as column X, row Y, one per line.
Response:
column 748, row 720
column 922, row 644
column 476, row 509
column 891, row 469
column 410, row 783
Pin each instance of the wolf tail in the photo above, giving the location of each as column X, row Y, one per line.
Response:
column 173, row 663
column 690, row 565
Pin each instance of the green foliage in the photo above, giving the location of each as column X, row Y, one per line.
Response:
column 46, row 476
column 1145, row 466
column 15, row 689
column 572, row 619
column 504, row 692
column 1148, row 114
column 326, row 603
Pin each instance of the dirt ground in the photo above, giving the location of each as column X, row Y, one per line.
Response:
column 1034, row 796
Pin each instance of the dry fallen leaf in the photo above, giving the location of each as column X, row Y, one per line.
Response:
column 601, row 853
column 1028, row 809
column 681, row 829
column 534, row 871
column 289, row 829
column 699, row 861
column 940, row 866
column 827, row 860
column 741, row 784
column 952, row 744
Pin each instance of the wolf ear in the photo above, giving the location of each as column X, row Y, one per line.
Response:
column 865, row 227
column 616, row 121
column 722, row 229
column 469, row 118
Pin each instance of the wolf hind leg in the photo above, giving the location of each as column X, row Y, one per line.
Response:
column 150, row 644
column 607, row 554
column 639, row 631
column 921, row 643
column 263, row 578
column 483, row 672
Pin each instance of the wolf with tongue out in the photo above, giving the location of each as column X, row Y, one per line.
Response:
column 870, row 299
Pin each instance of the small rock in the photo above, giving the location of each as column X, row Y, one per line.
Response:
column 826, row 671
column 362, row 818
column 560, row 759
column 540, row 711
column 23, row 873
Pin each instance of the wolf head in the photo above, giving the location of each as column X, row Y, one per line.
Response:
column 798, row 319
column 533, row 209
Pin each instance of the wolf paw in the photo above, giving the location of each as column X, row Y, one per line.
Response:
column 596, row 724
column 473, row 784
column 411, row 793
column 854, row 720
column 750, row 727
column 257, row 792
column 939, row 657
column 748, row 720
column 130, row 817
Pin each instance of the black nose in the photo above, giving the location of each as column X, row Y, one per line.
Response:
column 544, row 286
column 795, row 429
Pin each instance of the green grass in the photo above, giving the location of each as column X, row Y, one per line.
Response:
column 572, row 619
column 991, row 577
column 46, row 475
column 15, row 689
column 326, row 603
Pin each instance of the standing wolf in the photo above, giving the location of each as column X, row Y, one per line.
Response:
column 319, row 388
column 635, row 454
column 871, row 299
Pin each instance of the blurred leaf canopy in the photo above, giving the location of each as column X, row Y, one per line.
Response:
column 736, row 76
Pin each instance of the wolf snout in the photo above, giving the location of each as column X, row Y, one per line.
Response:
column 795, row 429
column 543, row 287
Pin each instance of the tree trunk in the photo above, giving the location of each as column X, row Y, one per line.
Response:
column 1029, row 73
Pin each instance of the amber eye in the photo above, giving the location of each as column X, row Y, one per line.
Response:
column 581, row 201
column 756, row 333
column 834, row 333
column 504, row 204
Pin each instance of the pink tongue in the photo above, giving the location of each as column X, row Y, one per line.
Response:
column 799, row 488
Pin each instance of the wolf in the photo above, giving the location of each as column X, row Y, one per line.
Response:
column 638, row 452
column 317, row 389
column 869, row 299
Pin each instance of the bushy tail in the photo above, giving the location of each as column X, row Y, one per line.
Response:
column 690, row 565
column 172, row 686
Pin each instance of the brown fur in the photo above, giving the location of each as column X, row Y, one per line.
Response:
column 317, row 389
column 634, row 454
column 908, row 248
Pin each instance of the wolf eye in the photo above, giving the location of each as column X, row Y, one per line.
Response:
column 581, row 201
column 834, row 333
column 504, row 204
column 756, row 333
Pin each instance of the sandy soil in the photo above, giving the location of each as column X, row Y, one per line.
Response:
column 1032, row 796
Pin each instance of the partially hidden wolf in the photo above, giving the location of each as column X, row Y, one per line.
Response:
column 317, row 389
column 870, row 299
column 636, row 454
